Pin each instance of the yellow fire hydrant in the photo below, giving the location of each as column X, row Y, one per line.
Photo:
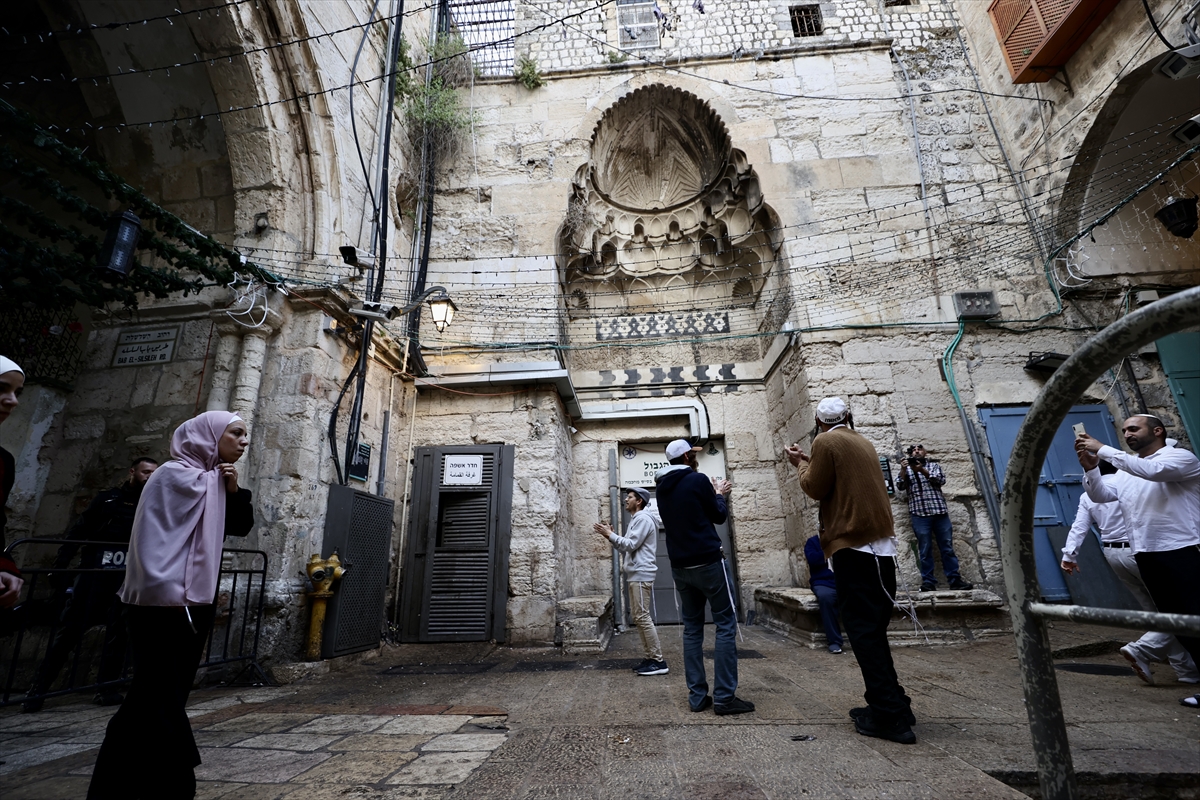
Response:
column 322, row 573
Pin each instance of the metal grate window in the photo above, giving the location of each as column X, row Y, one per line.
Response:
column 487, row 28
column 806, row 20
column 48, row 344
column 637, row 27
column 896, row 3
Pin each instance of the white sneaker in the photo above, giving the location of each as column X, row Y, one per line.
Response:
column 1140, row 665
column 1187, row 678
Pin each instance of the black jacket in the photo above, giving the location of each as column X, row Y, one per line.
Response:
column 8, row 467
column 689, row 507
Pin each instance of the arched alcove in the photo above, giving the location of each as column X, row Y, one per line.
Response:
column 666, row 203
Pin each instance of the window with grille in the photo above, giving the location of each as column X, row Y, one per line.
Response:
column 1038, row 37
column 637, row 27
column 806, row 20
column 895, row 3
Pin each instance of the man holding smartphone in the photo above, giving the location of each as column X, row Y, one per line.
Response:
column 923, row 480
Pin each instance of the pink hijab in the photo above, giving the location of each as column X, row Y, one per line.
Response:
column 175, row 549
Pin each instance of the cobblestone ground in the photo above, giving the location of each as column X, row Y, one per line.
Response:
column 453, row 722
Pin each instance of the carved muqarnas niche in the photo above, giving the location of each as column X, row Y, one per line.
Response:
column 666, row 215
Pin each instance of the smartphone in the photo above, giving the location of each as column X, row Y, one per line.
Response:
column 1079, row 429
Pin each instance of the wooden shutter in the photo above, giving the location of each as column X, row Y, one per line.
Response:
column 1038, row 37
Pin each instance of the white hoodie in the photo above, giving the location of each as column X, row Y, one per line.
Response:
column 640, row 547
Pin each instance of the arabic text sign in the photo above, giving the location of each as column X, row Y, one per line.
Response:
column 462, row 471
column 138, row 348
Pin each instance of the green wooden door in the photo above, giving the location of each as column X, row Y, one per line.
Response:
column 1180, row 355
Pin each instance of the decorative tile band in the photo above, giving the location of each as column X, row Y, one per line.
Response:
column 651, row 376
column 645, row 326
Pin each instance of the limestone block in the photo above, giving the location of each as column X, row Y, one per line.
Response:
column 180, row 183
column 216, row 180
column 85, row 427
column 200, row 214
column 177, row 386
column 530, row 620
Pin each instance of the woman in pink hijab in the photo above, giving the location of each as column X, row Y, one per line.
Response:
column 188, row 506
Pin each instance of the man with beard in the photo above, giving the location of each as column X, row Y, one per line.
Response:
column 92, row 599
column 1159, row 492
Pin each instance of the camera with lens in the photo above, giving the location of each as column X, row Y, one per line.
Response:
column 916, row 462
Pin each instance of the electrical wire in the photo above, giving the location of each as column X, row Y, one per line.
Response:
column 1154, row 25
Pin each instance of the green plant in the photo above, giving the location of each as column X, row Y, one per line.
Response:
column 617, row 57
column 527, row 73
column 433, row 109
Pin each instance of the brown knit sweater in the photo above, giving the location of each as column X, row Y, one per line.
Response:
column 844, row 475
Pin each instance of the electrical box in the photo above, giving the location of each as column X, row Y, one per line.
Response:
column 358, row 526
column 976, row 305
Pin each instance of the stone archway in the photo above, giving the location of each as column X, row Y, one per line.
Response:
column 666, row 215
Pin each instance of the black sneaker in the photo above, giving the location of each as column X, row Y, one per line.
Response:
column 642, row 665
column 706, row 704
column 734, row 706
column 928, row 587
column 108, row 699
column 32, row 705
column 899, row 732
column 960, row 585
column 653, row 668
column 855, row 713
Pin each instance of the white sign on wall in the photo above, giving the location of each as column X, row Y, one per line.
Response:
column 137, row 348
column 462, row 471
column 637, row 463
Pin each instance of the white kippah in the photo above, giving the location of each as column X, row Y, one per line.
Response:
column 831, row 410
column 8, row 365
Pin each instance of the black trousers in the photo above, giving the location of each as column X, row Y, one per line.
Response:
column 1171, row 578
column 149, row 752
column 92, row 602
column 865, row 586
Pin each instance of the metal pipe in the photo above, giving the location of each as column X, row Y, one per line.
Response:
column 383, row 452
column 1047, row 725
column 1182, row 624
column 614, row 510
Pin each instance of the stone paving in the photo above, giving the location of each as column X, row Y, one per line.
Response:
column 452, row 722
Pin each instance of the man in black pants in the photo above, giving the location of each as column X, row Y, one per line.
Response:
column 92, row 599
column 1159, row 492
column 843, row 474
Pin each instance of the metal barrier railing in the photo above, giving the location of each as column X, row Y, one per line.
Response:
column 234, row 638
column 1047, row 725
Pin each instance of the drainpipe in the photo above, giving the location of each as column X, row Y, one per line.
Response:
column 984, row 478
column 614, row 510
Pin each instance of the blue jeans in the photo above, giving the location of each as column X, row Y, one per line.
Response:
column 928, row 529
column 697, row 587
column 827, row 602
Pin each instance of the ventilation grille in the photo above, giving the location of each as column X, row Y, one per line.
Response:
column 464, row 522
column 458, row 595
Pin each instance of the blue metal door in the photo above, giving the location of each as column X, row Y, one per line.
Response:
column 1060, row 484
column 1180, row 356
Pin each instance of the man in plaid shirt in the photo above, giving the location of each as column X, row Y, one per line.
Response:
column 923, row 480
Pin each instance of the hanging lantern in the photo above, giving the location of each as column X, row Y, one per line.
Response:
column 124, row 230
column 1179, row 217
column 442, row 308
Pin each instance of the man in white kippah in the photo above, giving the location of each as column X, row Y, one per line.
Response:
column 12, row 381
column 856, row 534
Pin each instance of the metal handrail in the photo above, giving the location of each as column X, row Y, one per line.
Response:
column 1047, row 725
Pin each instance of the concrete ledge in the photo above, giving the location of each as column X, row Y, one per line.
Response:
column 945, row 617
column 586, row 623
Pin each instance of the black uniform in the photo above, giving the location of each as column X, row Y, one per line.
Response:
column 92, row 599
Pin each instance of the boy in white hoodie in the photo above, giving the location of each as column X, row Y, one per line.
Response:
column 639, row 567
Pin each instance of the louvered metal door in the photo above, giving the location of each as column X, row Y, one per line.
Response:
column 456, row 568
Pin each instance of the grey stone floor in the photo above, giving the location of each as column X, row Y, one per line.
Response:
column 532, row 723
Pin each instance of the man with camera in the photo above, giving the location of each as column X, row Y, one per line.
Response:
column 923, row 480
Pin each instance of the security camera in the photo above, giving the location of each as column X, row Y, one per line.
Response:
column 351, row 256
column 378, row 311
column 1181, row 63
column 1189, row 132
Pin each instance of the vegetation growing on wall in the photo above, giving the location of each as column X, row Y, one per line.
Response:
column 433, row 109
column 527, row 73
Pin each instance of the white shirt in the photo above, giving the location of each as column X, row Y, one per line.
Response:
column 1107, row 517
column 1159, row 494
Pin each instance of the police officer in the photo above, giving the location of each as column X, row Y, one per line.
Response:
column 92, row 599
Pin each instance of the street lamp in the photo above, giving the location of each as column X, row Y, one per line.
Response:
column 440, row 305
column 442, row 308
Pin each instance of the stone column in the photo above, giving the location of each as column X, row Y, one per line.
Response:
column 224, row 362
column 244, row 399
